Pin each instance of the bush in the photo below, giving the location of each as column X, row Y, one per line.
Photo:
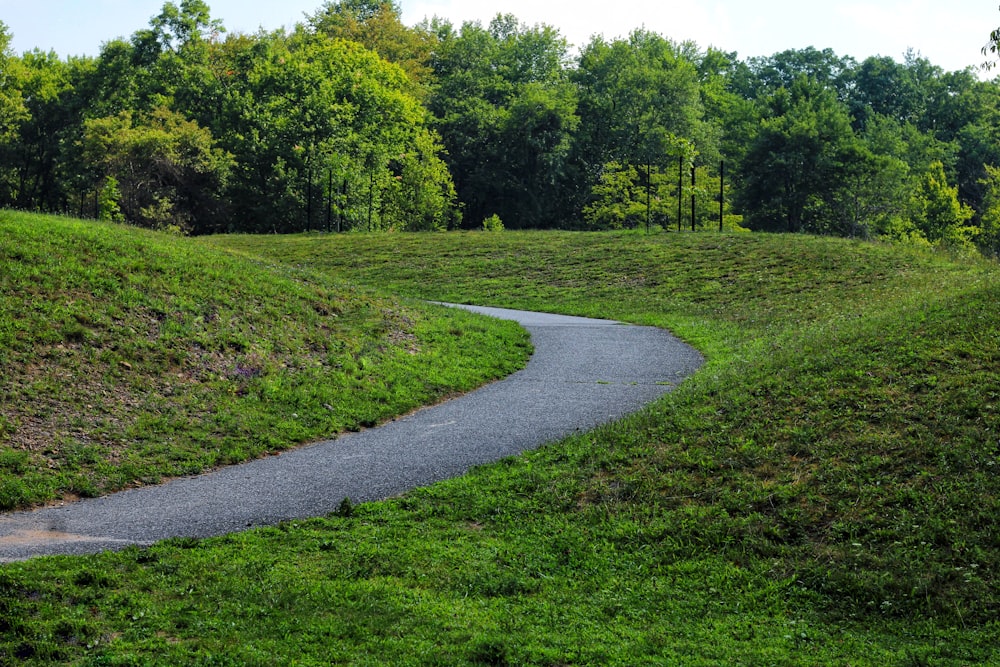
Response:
column 493, row 224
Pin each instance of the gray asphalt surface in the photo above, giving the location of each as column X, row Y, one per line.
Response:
column 584, row 372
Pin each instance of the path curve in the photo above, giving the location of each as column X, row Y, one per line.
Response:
column 584, row 372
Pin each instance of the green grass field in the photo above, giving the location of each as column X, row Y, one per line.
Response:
column 823, row 492
column 127, row 357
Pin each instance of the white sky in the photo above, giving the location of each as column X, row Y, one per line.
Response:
column 949, row 34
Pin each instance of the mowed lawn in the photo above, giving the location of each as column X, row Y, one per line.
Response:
column 823, row 492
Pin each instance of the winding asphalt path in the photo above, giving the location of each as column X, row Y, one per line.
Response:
column 584, row 372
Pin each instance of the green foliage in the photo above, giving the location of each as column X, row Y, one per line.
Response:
column 616, row 199
column 938, row 213
column 168, row 168
column 108, row 202
column 354, row 121
column 989, row 237
column 885, row 89
column 266, row 133
column 12, row 110
column 627, row 198
column 33, row 122
column 13, row 113
column 766, row 75
column 493, row 224
column 325, row 131
column 640, row 109
column 904, row 116
column 377, row 25
column 506, row 114
column 796, row 167
column 177, row 27
column 422, row 195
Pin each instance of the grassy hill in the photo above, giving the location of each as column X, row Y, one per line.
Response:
column 848, row 425
column 823, row 492
column 127, row 357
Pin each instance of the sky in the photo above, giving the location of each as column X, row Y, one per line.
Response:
column 948, row 33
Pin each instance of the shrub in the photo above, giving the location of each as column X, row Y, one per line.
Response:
column 493, row 224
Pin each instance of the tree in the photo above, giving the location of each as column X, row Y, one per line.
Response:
column 636, row 97
column 731, row 120
column 506, row 113
column 872, row 199
column 323, row 128
column 937, row 212
column 173, row 38
column 537, row 131
column 12, row 113
column 800, row 159
column 616, row 201
column 53, row 115
column 766, row 75
column 964, row 112
column 991, row 50
column 376, row 24
column 879, row 188
column 12, row 109
column 108, row 208
column 168, row 171
column 989, row 237
column 640, row 108
column 883, row 87
column 421, row 197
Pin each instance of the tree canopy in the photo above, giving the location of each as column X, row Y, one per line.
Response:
column 354, row 121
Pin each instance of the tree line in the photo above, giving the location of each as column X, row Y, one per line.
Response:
column 355, row 121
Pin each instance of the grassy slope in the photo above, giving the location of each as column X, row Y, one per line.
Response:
column 126, row 357
column 848, row 426
column 822, row 493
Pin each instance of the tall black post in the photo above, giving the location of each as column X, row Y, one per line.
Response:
column 329, row 200
column 680, row 191
column 345, row 205
column 692, row 197
column 309, row 199
column 649, row 190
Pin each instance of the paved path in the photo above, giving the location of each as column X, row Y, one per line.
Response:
column 584, row 372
